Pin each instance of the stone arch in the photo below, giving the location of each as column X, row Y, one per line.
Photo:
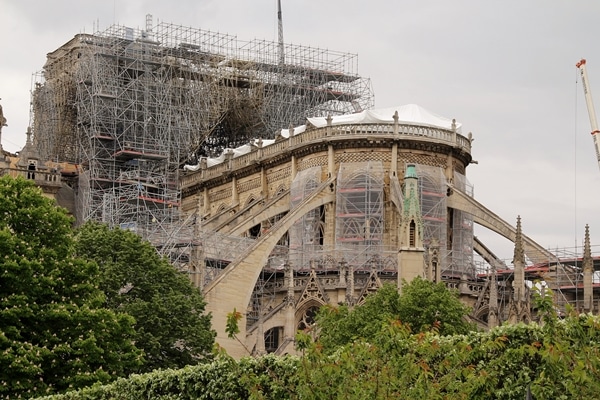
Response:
column 482, row 312
column 306, row 312
column 273, row 338
column 280, row 189
column 233, row 288
column 250, row 200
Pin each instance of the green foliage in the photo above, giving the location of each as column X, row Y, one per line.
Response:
column 500, row 364
column 54, row 332
column 395, row 363
column 171, row 326
column 264, row 378
column 232, row 328
column 423, row 305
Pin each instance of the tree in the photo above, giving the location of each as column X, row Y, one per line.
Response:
column 54, row 332
column 171, row 326
column 423, row 305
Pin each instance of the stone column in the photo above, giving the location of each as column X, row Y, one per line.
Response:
column 206, row 200
column 290, row 314
column 235, row 198
column 493, row 300
column 330, row 161
column 260, row 337
column 264, row 184
column 588, row 272
column 294, row 168
column 350, row 287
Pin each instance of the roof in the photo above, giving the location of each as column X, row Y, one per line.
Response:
column 410, row 114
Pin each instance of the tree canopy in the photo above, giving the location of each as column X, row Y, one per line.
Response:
column 423, row 305
column 171, row 326
column 55, row 333
column 557, row 360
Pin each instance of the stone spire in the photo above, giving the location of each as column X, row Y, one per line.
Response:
column 290, row 313
column 519, row 308
column 519, row 264
column 588, row 272
column 519, row 253
column 493, row 301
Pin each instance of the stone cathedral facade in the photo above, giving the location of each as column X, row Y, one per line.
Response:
column 329, row 211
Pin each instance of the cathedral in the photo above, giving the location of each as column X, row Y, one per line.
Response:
column 329, row 211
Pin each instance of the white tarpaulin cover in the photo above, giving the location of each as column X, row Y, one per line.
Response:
column 409, row 114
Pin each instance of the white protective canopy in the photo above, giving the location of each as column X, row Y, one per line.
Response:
column 410, row 114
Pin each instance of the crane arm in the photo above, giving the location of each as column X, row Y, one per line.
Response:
column 590, row 106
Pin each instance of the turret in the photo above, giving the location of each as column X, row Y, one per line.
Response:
column 411, row 251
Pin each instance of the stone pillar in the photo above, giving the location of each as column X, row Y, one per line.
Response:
column 206, row 200
column 588, row 272
column 463, row 286
column 260, row 337
column 350, row 286
column 294, row 169
column 197, row 254
column 264, row 184
column 290, row 313
column 394, row 163
column 343, row 271
column 330, row 161
column 493, row 300
column 235, row 198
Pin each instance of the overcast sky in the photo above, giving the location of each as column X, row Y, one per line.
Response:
column 504, row 69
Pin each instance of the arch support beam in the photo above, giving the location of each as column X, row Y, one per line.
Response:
column 484, row 217
column 233, row 288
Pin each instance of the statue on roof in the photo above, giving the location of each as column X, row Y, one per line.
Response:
column 2, row 119
column 2, row 124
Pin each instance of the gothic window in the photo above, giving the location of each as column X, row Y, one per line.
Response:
column 308, row 318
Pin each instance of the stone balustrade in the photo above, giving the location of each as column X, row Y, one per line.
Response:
column 41, row 178
column 332, row 133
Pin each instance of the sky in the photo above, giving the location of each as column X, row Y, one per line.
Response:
column 504, row 69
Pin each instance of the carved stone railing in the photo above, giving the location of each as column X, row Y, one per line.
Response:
column 335, row 132
column 39, row 177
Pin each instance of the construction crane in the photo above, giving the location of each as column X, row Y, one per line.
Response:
column 590, row 106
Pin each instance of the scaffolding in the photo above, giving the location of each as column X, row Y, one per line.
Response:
column 306, row 235
column 432, row 192
column 462, row 234
column 131, row 106
column 359, row 212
